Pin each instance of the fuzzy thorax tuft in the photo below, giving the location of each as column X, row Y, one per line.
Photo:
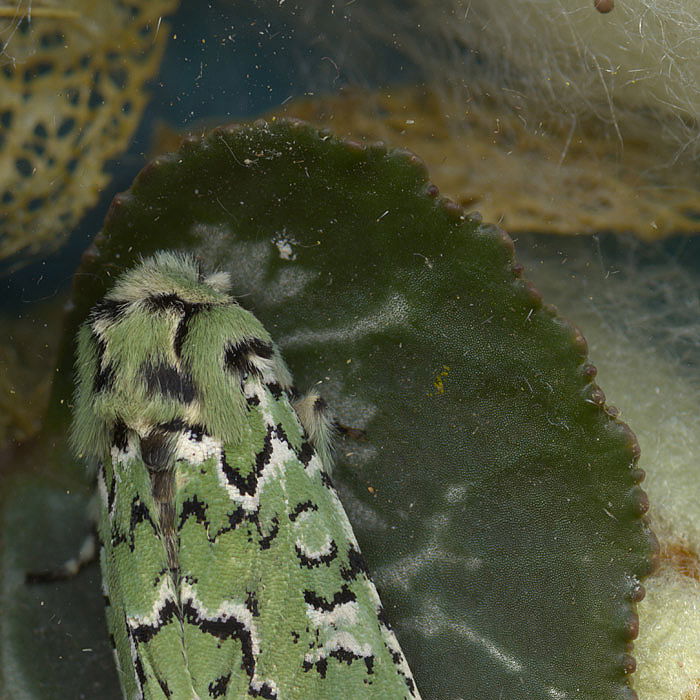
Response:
column 168, row 350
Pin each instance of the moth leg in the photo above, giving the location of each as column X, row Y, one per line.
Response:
column 87, row 554
column 317, row 421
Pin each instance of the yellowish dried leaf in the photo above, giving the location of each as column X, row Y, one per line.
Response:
column 524, row 178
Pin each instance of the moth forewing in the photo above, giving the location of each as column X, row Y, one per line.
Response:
column 230, row 569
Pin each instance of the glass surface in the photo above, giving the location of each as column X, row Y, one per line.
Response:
column 553, row 121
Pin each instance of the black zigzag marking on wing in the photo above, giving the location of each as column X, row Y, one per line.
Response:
column 139, row 514
column 313, row 562
column 396, row 654
column 140, row 673
column 111, row 489
column 282, row 435
column 218, row 688
column 356, row 565
column 344, row 595
column 165, row 688
column 168, row 381
column 239, row 357
column 194, row 508
column 398, row 659
column 248, row 484
column 265, row 541
column 235, row 520
column 305, row 453
column 224, row 628
column 120, row 435
column 383, row 619
column 264, row 691
column 275, row 388
column 251, row 602
column 343, row 655
column 347, row 656
column 300, row 508
column 145, row 632
column 327, row 481
column 410, row 683
column 321, row 666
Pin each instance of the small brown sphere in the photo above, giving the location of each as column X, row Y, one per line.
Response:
column 604, row 5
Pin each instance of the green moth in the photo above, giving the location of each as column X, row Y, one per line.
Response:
column 230, row 569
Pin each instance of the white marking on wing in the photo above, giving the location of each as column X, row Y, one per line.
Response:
column 122, row 457
column 323, row 551
column 257, row 685
column 342, row 614
column 196, row 451
column 226, row 611
column 340, row 640
column 166, row 593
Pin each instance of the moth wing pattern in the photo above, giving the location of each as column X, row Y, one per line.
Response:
column 230, row 568
column 142, row 607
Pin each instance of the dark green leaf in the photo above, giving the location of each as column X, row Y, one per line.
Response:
column 495, row 498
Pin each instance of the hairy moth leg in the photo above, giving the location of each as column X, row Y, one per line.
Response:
column 316, row 419
column 322, row 427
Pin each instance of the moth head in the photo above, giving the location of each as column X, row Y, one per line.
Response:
column 171, row 274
